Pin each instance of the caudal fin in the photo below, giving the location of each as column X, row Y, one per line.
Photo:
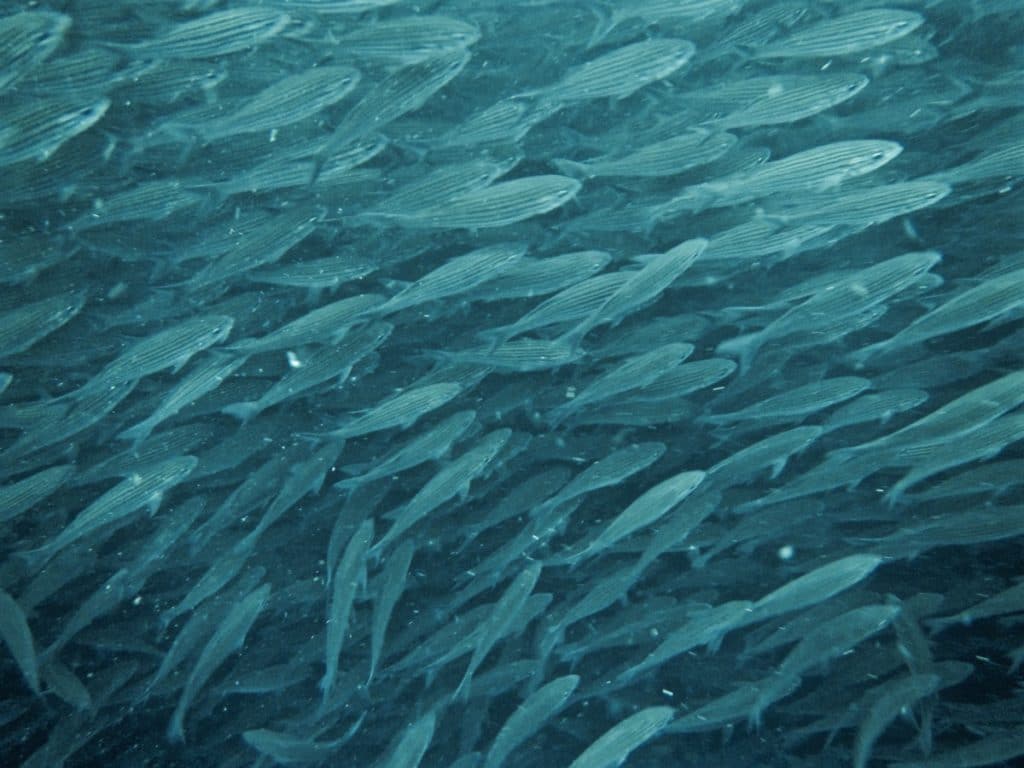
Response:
column 744, row 348
column 242, row 411
column 573, row 168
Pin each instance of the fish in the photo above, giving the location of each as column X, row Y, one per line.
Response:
column 789, row 100
column 28, row 324
column 862, row 208
column 497, row 205
column 405, row 41
column 844, row 34
column 845, row 296
column 18, row 497
column 454, row 479
column 229, row 637
column 290, row 99
column 619, row 73
column 199, row 382
column 394, row 578
column 814, row 586
column 404, row 91
column 328, row 323
column 351, row 571
column 530, row 716
column 505, row 614
column 615, row 745
column 148, row 201
column 797, row 403
column 634, row 373
column 982, row 303
column 17, row 636
column 667, row 157
column 531, row 382
column 458, row 275
column 401, row 410
column 644, row 511
column 818, row 169
column 141, row 490
column 415, row 740
column 431, row 445
column 705, row 628
column 322, row 365
column 170, row 348
column 641, row 287
column 37, row 130
column 28, row 39
column 575, row 302
column 285, row 748
column 213, row 34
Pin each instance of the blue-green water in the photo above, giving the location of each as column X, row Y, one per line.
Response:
column 527, row 384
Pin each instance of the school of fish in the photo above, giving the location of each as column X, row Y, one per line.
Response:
column 530, row 383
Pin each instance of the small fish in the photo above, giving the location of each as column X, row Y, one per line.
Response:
column 621, row 72
column 226, row 640
column 350, row 573
column 498, row 205
column 612, row 748
column 844, row 34
column 814, row 586
column 35, row 129
column 170, row 348
column 140, row 490
column 633, row 374
column 458, row 275
column 401, row 410
column 22, row 327
column 27, row 39
column 788, row 100
column 529, row 717
column 503, row 618
column 212, row 35
column 17, row 636
column 289, row 100
column 409, row 40
column 645, row 510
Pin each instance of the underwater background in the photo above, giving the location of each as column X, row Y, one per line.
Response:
column 475, row 383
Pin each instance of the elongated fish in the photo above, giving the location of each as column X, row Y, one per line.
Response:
column 529, row 717
column 498, row 205
column 620, row 740
column 17, row 636
column 140, row 490
column 228, row 638
column 213, row 34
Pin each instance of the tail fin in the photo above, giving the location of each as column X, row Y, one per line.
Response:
column 694, row 199
column 573, row 168
column 242, row 411
column 606, row 22
column 575, row 335
column 744, row 348
column 138, row 433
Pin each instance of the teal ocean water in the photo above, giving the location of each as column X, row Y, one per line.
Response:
column 528, row 384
